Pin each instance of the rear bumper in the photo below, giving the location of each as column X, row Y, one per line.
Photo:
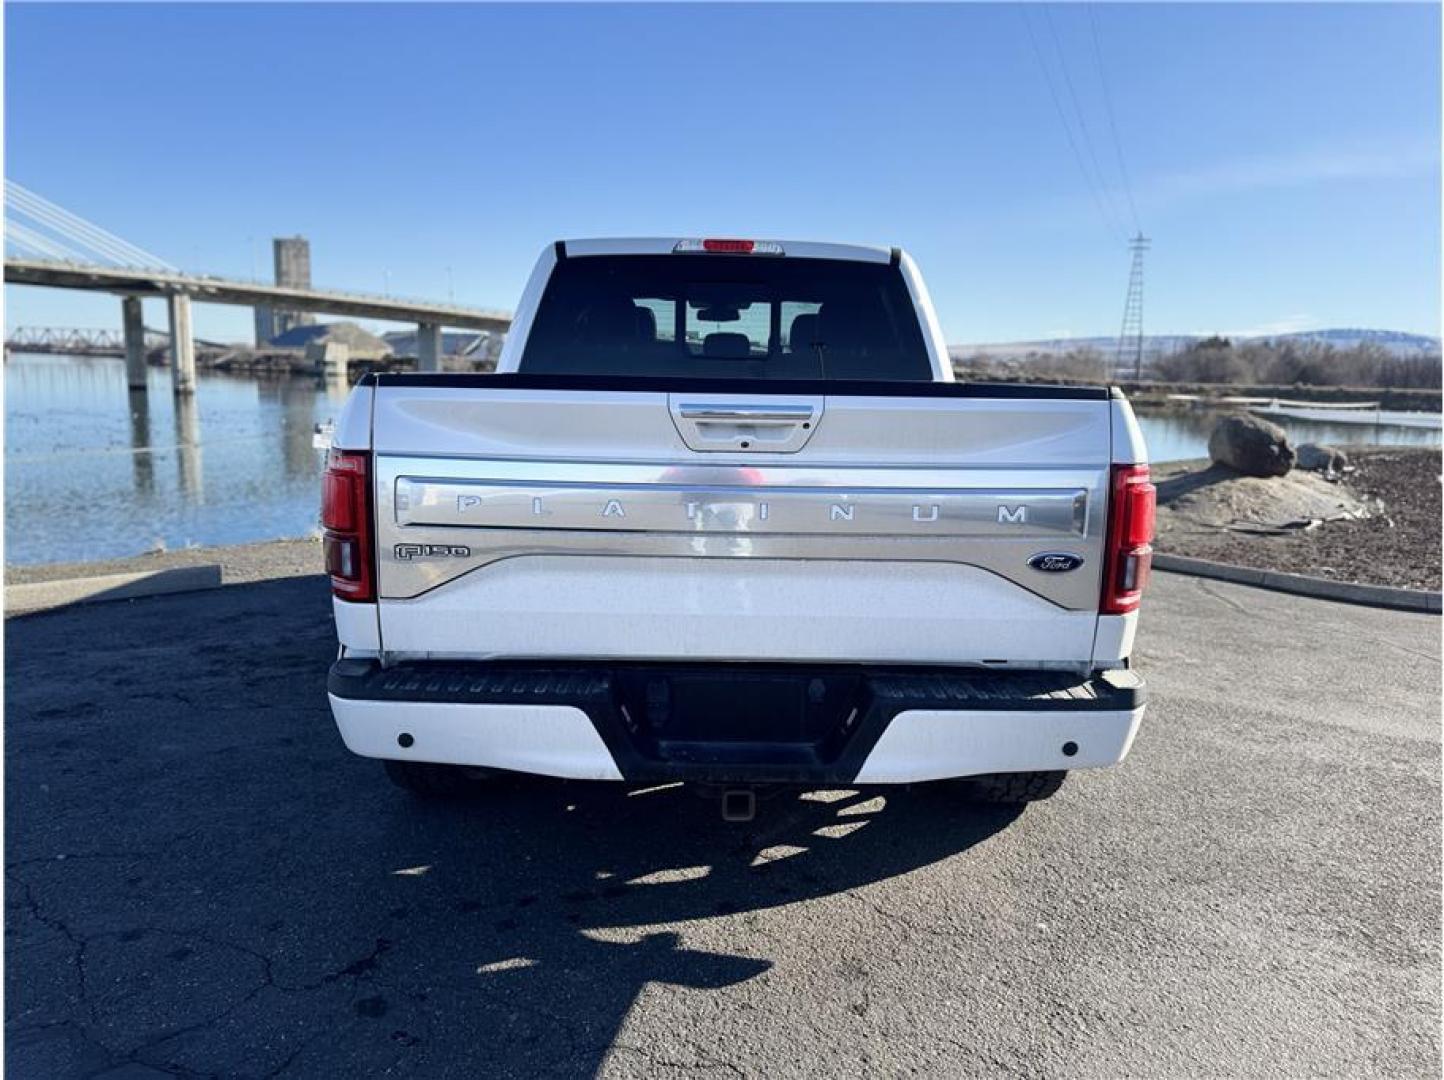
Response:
column 735, row 723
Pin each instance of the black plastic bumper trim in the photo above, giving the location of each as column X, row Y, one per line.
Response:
column 617, row 698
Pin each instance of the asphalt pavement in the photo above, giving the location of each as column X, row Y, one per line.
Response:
column 201, row 881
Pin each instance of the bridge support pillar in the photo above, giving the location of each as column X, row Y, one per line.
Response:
column 182, row 344
column 428, row 347
column 133, row 322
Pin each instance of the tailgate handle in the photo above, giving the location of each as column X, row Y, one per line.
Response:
column 727, row 424
column 747, row 414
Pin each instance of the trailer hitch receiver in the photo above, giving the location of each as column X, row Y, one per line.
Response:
column 739, row 804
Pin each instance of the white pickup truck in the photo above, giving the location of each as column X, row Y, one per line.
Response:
column 723, row 515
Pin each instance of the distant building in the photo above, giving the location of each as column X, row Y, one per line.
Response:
column 292, row 256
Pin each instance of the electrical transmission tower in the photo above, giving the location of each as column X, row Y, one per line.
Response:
column 1130, row 338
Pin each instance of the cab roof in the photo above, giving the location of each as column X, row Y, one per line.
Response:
column 657, row 245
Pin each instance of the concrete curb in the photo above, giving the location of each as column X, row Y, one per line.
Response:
column 1347, row 592
column 41, row 595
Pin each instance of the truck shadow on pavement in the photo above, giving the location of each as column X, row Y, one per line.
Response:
column 583, row 911
column 201, row 880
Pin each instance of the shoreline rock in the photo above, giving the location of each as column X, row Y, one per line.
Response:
column 1251, row 446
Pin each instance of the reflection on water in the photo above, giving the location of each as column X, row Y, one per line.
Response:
column 95, row 471
column 142, row 464
column 188, row 450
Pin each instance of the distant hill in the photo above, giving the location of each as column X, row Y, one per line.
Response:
column 1395, row 341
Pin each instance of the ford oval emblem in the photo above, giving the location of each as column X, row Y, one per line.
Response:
column 1055, row 562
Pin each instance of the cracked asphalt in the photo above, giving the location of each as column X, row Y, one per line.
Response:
column 201, row 881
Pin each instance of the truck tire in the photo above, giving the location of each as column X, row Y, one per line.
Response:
column 1013, row 789
column 428, row 781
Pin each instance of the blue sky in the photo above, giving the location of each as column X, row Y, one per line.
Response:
column 1284, row 159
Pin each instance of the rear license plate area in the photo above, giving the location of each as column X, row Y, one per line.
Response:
column 703, row 714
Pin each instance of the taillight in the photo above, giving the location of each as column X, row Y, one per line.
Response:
column 346, row 518
column 734, row 247
column 718, row 246
column 1129, row 550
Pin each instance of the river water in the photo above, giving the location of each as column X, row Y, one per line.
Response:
column 93, row 471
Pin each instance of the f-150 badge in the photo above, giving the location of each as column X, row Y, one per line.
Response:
column 407, row 552
column 1055, row 562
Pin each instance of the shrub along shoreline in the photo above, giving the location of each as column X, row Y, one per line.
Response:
column 1214, row 367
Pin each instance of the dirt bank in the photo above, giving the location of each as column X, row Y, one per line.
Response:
column 239, row 562
column 1210, row 513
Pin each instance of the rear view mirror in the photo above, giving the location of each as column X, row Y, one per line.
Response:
column 719, row 313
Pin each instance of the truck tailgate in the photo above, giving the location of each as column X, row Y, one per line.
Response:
column 548, row 517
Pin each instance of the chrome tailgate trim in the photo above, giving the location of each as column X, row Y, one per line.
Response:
column 439, row 518
column 759, row 508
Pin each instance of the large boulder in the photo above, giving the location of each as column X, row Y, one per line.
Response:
column 1251, row 446
column 1329, row 460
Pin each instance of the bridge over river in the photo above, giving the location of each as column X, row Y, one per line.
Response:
column 49, row 247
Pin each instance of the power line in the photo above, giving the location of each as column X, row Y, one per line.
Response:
column 1103, row 185
column 1108, row 222
column 1112, row 123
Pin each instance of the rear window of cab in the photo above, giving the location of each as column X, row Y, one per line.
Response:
column 719, row 316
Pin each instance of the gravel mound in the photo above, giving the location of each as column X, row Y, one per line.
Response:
column 1193, row 497
column 361, row 343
